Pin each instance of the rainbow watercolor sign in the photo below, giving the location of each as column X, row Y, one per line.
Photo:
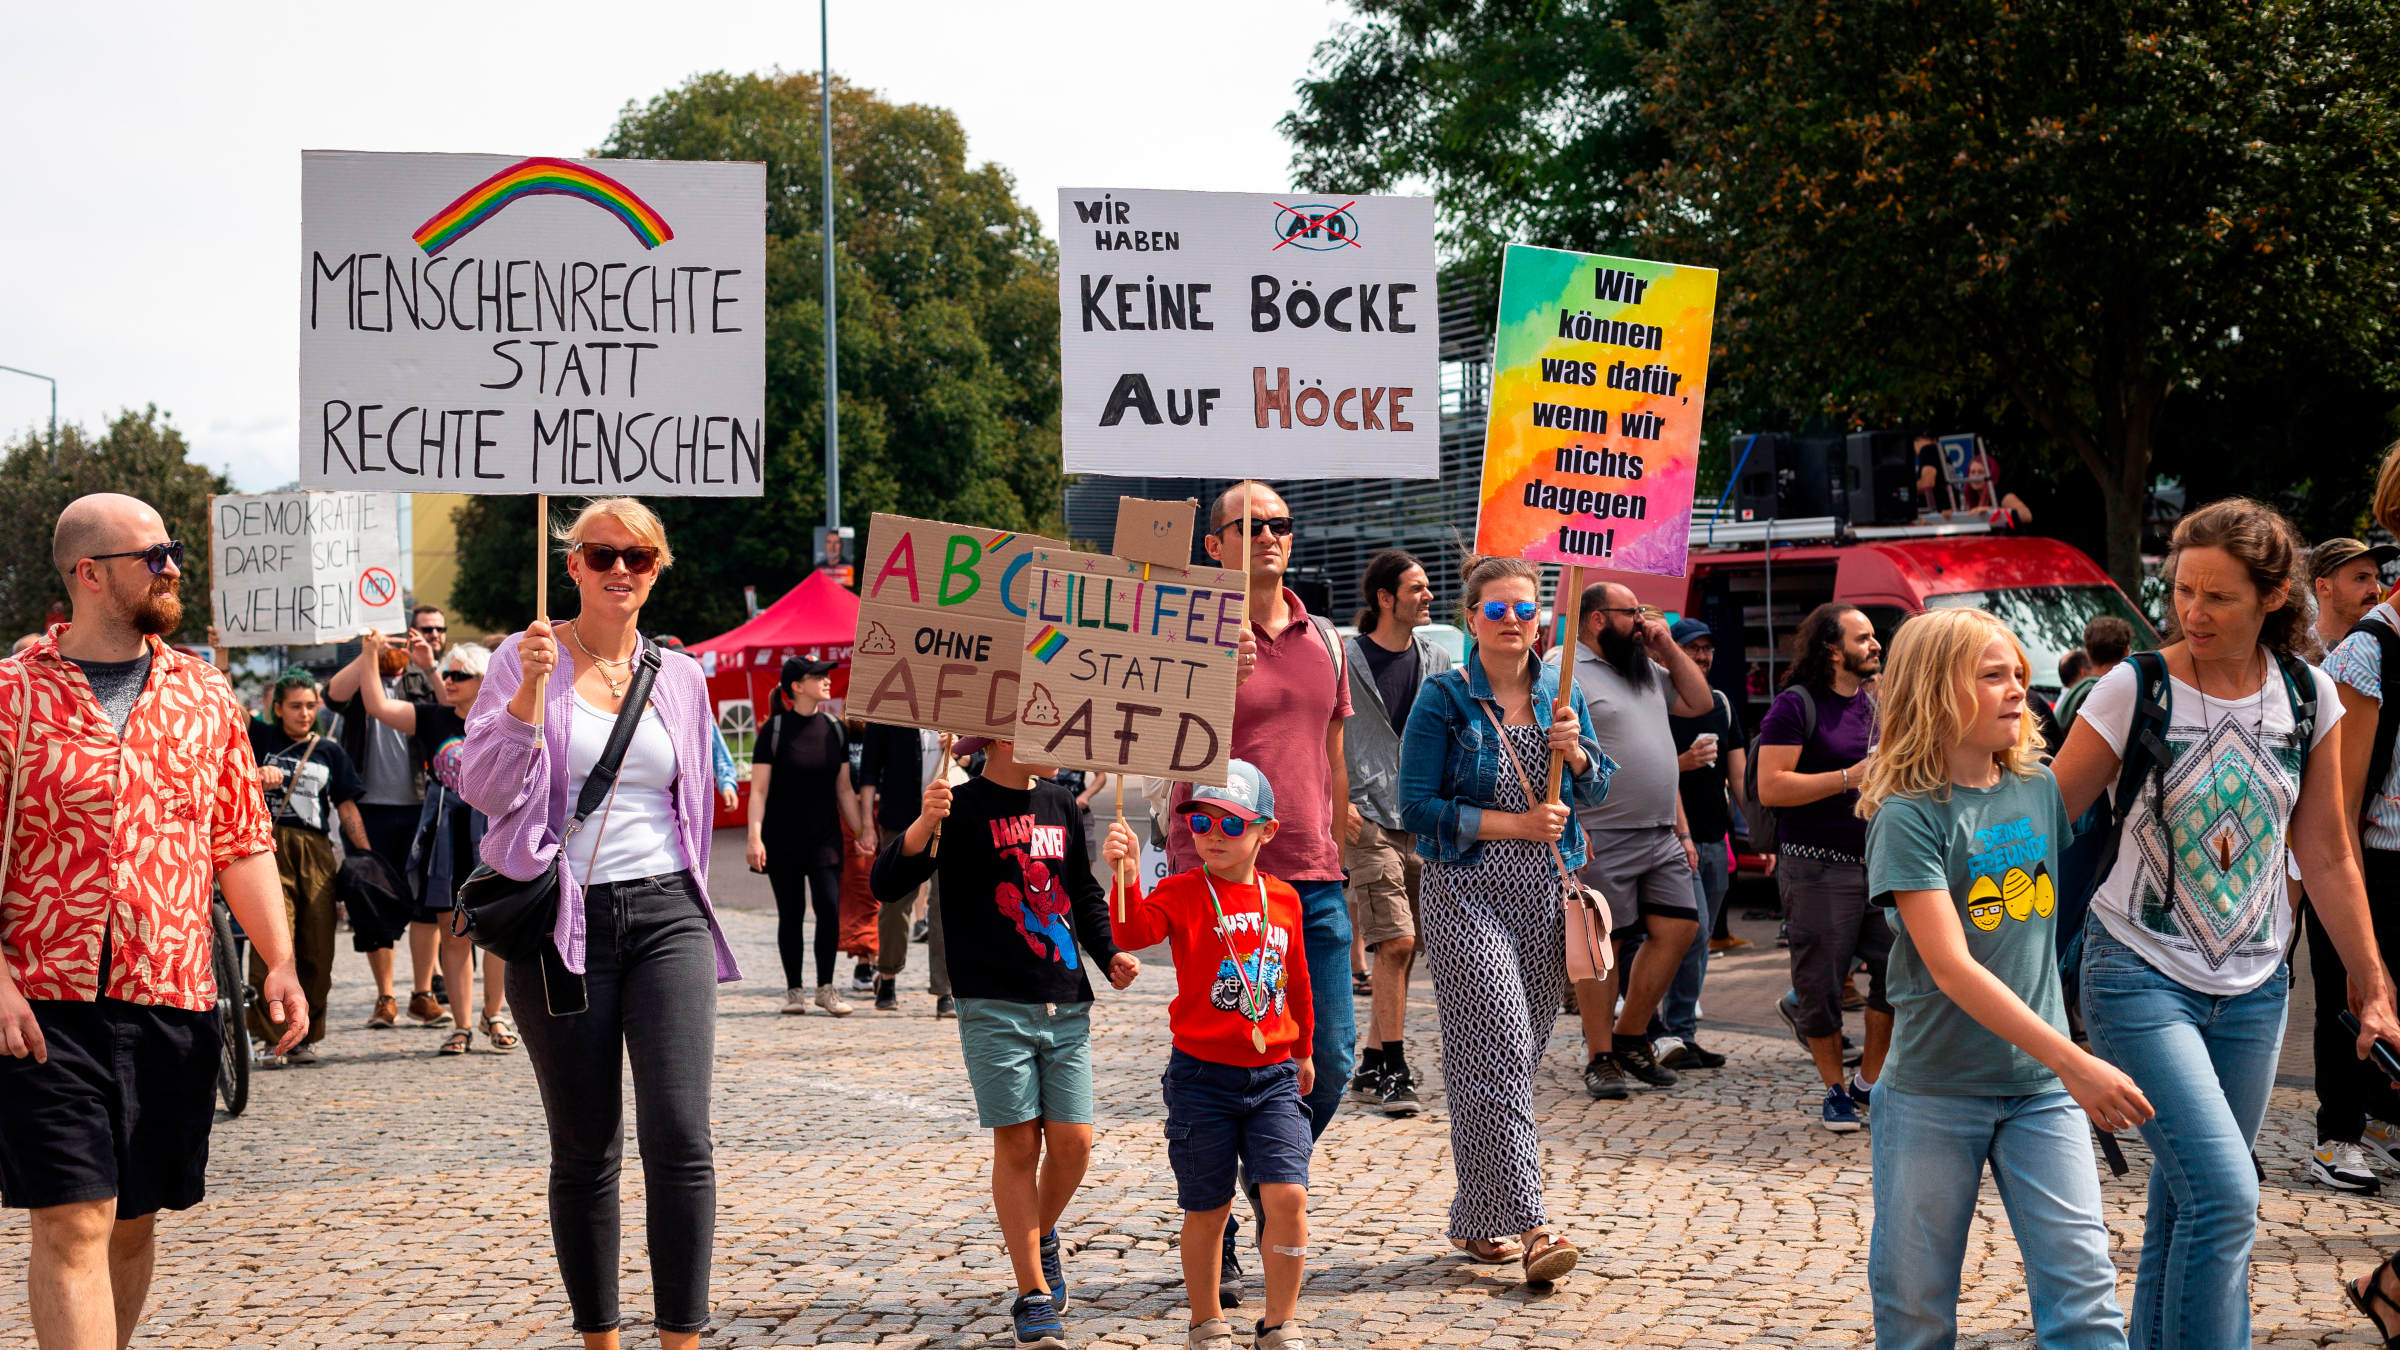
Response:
column 1600, row 373
column 541, row 177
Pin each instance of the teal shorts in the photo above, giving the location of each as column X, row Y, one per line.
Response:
column 1028, row 1061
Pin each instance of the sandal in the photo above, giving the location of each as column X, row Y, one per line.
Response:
column 1488, row 1251
column 1549, row 1257
column 458, row 1042
column 500, row 1032
column 2375, row 1294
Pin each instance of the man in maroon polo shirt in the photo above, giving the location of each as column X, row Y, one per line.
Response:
column 1287, row 720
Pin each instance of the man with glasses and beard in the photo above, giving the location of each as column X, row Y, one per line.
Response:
column 1811, row 745
column 1632, row 677
column 131, row 788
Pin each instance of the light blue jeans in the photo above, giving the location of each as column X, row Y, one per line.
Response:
column 1930, row 1152
column 1325, row 930
column 2206, row 1063
column 1679, row 1012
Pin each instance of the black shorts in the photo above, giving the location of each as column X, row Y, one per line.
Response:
column 122, row 1108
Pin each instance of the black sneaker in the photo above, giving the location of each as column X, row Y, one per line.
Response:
column 1037, row 1324
column 1691, row 1055
column 1634, row 1057
column 1400, row 1093
column 887, row 999
column 1788, row 1008
column 1054, row 1273
column 945, row 1006
column 1229, row 1274
column 1367, row 1089
column 1783, row 934
column 862, row 979
column 1604, row 1080
column 920, row 931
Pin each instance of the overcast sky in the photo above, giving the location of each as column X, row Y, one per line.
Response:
column 152, row 151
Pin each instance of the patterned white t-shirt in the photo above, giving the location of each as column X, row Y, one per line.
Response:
column 2204, row 900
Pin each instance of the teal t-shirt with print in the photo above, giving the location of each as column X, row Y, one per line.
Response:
column 1995, row 850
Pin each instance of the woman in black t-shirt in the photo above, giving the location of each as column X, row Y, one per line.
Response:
column 441, row 853
column 309, row 785
column 800, row 797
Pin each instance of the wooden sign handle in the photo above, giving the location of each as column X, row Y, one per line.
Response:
column 1129, row 872
column 541, row 588
column 1568, row 608
column 934, row 849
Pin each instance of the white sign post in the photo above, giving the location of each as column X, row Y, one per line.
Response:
column 1235, row 334
column 304, row 567
column 496, row 324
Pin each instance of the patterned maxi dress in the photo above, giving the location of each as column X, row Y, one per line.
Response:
column 1496, row 942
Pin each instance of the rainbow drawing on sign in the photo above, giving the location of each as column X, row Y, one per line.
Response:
column 1599, row 377
column 540, row 178
column 997, row 541
column 1047, row 643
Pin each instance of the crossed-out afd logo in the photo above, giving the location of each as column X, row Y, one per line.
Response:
column 1319, row 227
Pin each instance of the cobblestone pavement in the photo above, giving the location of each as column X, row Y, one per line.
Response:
column 390, row 1197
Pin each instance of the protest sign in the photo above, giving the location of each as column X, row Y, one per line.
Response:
column 1238, row 334
column 940, row 625
column 1598, row 373
column 304, row 567
column 488, row 323
column 1129, row 667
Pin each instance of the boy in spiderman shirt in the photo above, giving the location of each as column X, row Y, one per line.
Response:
column 1233, row 1082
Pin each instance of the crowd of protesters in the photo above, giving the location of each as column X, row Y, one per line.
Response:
column 1549, row 822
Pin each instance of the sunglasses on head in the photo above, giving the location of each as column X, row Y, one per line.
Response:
column 1279, row 526
column 1497, row 610
column 1202, row 823
column 638, row 559
column 156, row 557
column 458, row 676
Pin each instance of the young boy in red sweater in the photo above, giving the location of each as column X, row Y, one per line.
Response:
column 1233, row 1082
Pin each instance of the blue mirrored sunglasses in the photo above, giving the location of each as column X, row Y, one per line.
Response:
column 1202, row 824
column 1496, row 610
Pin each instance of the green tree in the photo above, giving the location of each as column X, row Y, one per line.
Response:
column 948, row 324
column 141, row 455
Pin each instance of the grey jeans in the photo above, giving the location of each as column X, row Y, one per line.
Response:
column 891, row 940
column 650, row 973
column 1831, row 924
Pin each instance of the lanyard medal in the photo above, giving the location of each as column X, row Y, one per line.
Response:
column 1254, row 1003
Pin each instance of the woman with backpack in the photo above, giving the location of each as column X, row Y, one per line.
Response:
column 2216, row 750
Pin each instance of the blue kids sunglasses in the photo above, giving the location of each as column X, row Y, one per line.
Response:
column 1496, row 610
column 1202, row 824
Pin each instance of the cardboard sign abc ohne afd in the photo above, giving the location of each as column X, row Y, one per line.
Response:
column 500, row 324
column 1130, row 675
column 941, row 625
column 302, row 568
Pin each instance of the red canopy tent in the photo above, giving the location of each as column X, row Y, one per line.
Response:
column 815, row 619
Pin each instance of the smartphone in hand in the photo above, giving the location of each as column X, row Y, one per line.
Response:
column 2385, row 1059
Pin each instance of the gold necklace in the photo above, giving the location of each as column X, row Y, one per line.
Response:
column 616, row 687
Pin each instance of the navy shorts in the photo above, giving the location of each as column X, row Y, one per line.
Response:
column 121, row 1108
column 1219, row 1115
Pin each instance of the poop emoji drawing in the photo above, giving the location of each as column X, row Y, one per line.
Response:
column 1040, row 710
column 877, row 641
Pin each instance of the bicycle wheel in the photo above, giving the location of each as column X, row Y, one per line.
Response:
column 233, row 1058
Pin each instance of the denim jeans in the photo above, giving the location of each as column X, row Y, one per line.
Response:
column 1325, row 927
column 1679, row 1012
column 650, row 972
column 2206, row 1062
column 1930, row 1152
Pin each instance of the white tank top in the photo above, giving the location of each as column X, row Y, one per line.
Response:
column 635, row 836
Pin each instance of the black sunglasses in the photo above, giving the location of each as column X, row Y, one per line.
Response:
column 433, row 630
column 459, row 676
column 602, row 558
column 156, row 557
column 1279, row 526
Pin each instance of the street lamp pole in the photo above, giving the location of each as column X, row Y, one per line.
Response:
column 833, row 384
column 54, row 405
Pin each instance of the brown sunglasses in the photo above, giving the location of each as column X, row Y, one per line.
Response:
column 638, row 559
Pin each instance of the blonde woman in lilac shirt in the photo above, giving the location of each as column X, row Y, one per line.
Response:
column 637, row 952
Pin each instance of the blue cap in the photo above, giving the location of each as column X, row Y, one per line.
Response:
column 1244, row 794
column 1688, row 631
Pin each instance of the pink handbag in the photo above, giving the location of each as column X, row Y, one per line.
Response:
column 1591, row 946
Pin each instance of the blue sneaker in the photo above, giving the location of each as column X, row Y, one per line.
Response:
column 1053, row 1273
column 1038, row 1327
column 1841, row 1113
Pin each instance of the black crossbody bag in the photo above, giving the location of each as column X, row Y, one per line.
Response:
column 514, row 919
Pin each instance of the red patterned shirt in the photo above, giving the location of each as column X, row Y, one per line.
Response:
column 117, row 841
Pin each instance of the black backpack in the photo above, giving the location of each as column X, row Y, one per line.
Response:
column 2379, row 761
column 1760, row 817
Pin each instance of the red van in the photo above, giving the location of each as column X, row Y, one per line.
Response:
column 1753, row 597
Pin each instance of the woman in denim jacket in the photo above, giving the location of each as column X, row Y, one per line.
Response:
column 1493, row 928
